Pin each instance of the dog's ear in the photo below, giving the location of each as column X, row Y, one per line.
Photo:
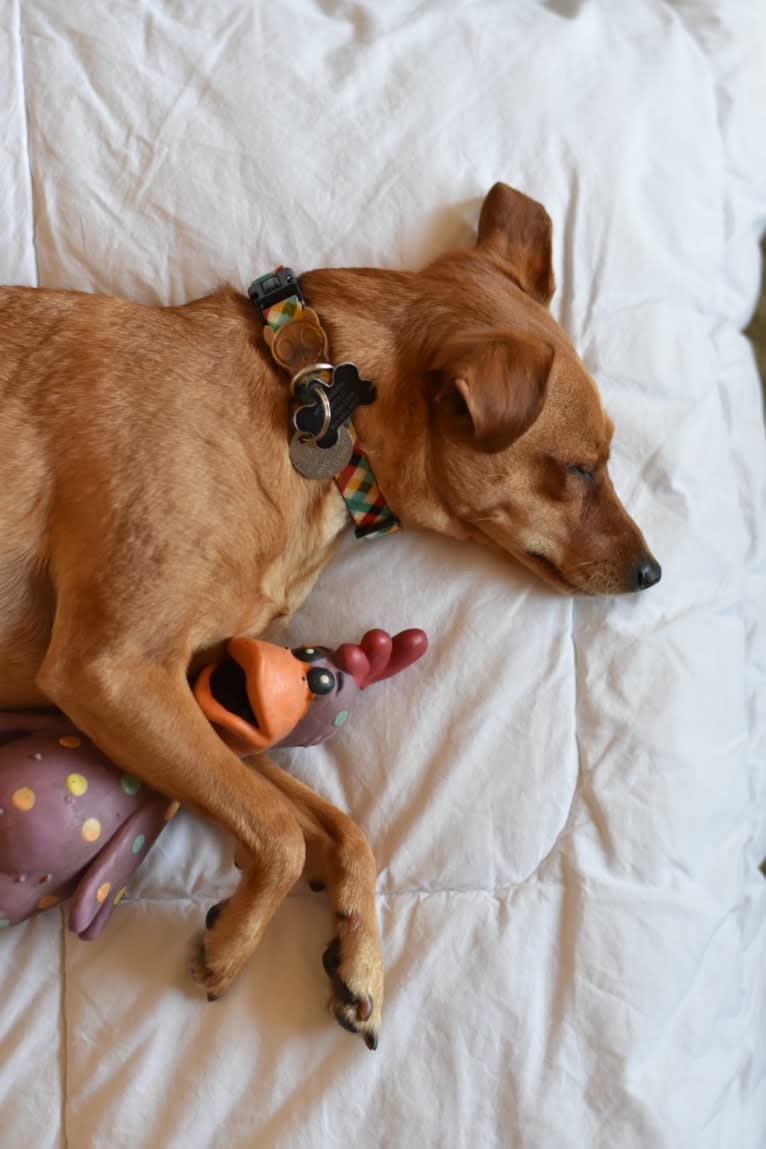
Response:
column 519, row 231
column 489, row 389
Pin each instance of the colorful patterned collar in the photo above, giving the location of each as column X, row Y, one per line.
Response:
column 324, row 443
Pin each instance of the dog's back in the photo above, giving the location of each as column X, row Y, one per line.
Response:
column 135, row 442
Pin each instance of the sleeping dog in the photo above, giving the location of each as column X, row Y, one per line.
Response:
column 152, row 504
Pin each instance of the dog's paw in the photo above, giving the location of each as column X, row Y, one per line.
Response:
column 354, row 966
column 214, row 967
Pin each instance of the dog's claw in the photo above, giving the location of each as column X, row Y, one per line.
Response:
column 199, row 970
column 343, row 993
column 370, row 1037
column 207, row 979
column 331, row 958
column 212, row 915
column 344, row 1022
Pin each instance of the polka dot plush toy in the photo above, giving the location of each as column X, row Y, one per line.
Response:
column 73, row 825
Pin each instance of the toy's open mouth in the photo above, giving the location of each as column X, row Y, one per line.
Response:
column 228, row 685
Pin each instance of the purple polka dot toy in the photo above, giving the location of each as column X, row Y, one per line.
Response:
column 73, row 825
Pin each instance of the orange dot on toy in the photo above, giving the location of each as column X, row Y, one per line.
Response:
column 103, row 891
column 171, row 811
column 91, row 830
column 23, row 799
column 48, row 901
column 69, row 742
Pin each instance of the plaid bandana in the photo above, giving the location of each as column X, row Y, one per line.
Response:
column 356, row 482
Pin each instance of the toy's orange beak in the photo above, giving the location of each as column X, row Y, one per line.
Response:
column 275, row 693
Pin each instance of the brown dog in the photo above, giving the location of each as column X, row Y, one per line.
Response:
column 149, row 510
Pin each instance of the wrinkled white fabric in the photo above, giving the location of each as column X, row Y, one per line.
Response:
column 566, row 800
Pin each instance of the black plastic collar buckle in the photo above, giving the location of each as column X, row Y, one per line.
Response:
column 272, row 288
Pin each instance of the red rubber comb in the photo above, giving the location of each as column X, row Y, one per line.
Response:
column 380, row 656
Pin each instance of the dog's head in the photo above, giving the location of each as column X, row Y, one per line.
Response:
column 488, row 425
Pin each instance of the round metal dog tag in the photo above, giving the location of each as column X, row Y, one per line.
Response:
column 314, row 463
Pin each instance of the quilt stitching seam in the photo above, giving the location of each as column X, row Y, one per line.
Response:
column 64, row 1070
column 25, row 139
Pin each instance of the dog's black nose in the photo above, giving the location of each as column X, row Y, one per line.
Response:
column 647, row 573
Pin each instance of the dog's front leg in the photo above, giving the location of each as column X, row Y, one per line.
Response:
column 144, row 716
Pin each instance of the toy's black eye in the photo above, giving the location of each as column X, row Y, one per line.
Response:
column 321, row 681
column 309, row 653
column 582, row 473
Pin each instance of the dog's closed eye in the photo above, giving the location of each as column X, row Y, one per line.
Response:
column 581, row 473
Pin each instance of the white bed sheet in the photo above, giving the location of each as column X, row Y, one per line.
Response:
column 566, row 799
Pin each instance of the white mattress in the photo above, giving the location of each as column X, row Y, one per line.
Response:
column 566, row 800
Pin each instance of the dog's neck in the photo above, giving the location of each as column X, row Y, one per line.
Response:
column 375, row 327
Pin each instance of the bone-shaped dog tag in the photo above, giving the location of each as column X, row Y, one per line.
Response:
column 330, row 405
column 317, row 463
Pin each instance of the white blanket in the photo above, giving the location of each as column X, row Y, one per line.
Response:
column 566, row 799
